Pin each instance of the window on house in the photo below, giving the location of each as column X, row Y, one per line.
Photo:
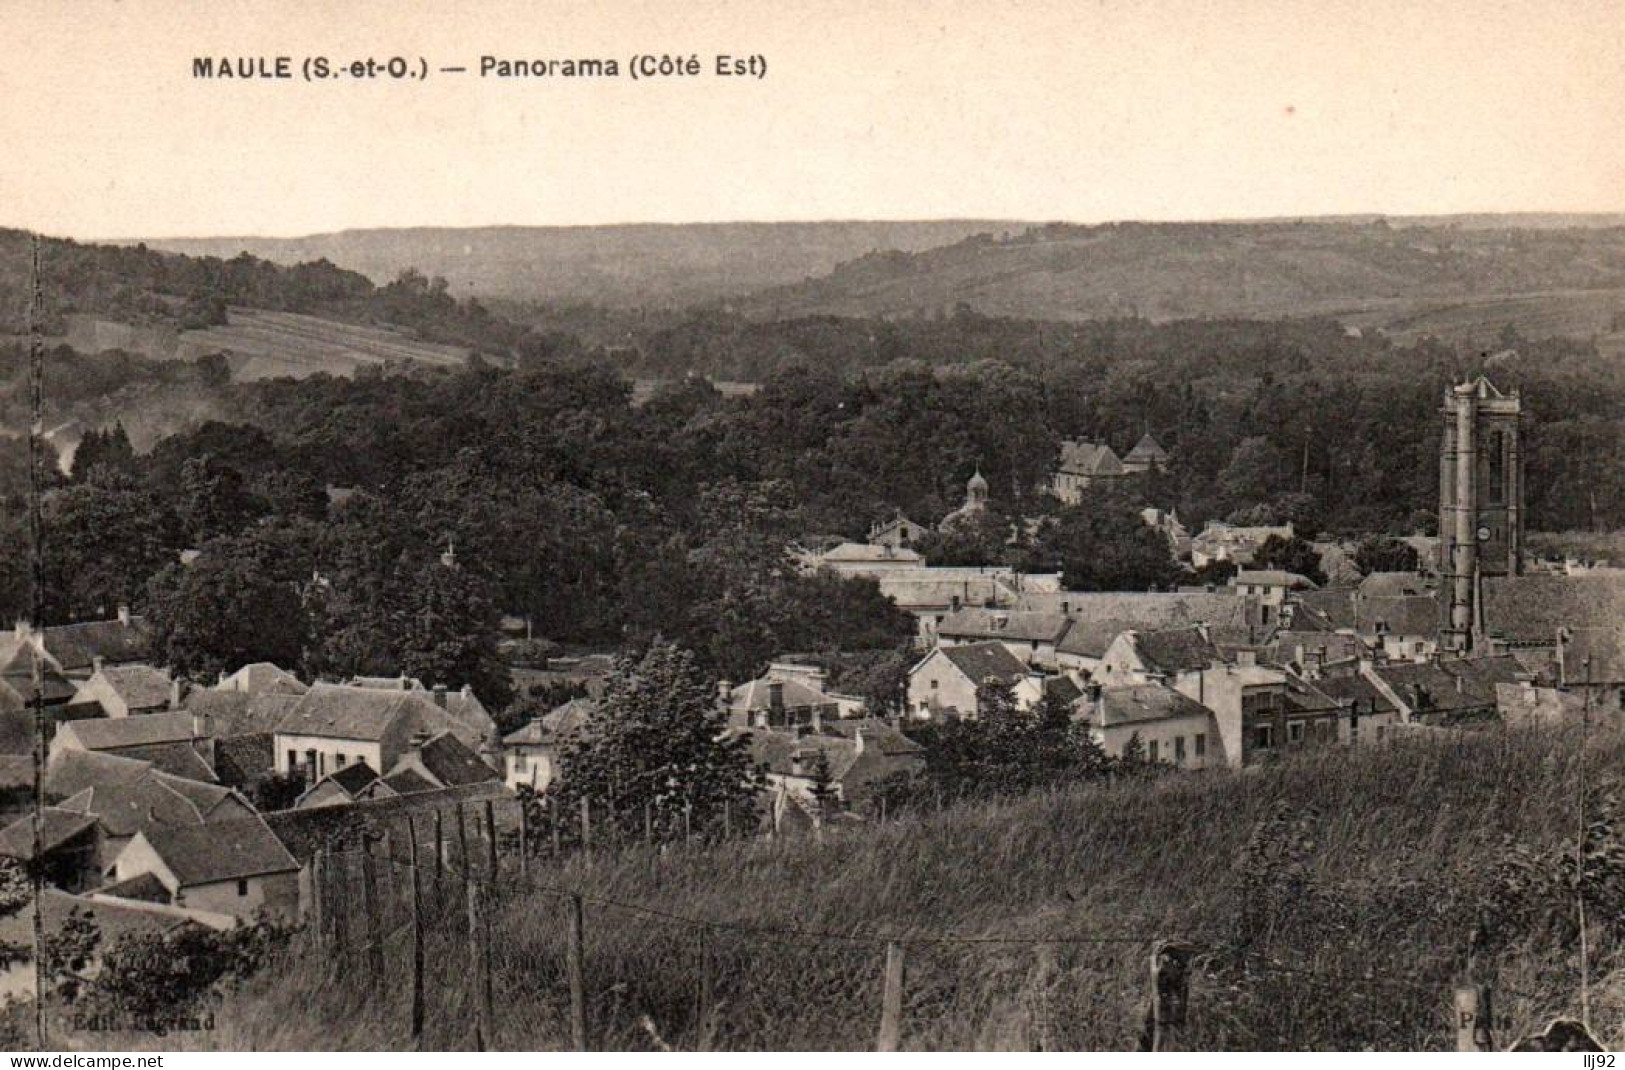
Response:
column 519, row 762
column 1294, row 731
column 293, row 760
column 1200, row 744
column 1264, row 735
column 1179, row 749
column 1419, row 647
column 933, row 685
column 242, row 886
column 1151, row 750
column 338, row 761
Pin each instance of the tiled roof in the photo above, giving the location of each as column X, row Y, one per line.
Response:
column 340, row 712
column 228, row 850
column 1146, row 450
column 58, row 827
column 240, row 713
column 758, row 695
column 76, row 646
column 1172, row 650
column 1530, row 609
column 1449, row 685
column 141, row 687
column 1139, row 704
column 17, row 676
column 1379, row 584
column 1089, row 459
column 1005, row 625
column 1283, row 645
column 1353, row 689
column 178, row 759
column 922, row 589
column 1096, row 613
column 1273, row 577
column 1594, row 654
column 108, row 733
column 1416, row 614
column 262, row 677
column 1062, row 688
column 144, row 887
column 979, row 661
column 860, row 552
column 408, row 782
column 127, row 795
column 352, row 778
column 450, row 762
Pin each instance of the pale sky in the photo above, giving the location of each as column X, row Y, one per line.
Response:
column 1116, row 109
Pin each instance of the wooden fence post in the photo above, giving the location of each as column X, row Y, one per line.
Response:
column 491, row 842
column 573, row 953
column 479, row 961
column 462, row 848
column 375, row 922
column 891, row 999
column 648, row 823
column 1474, row 1010
column 524, row 840
column 439, row 854
column 417, row 932
column 702, row 1005
column 1170, row 992
column 553, row 828
column 586, row 824
column 318, row 906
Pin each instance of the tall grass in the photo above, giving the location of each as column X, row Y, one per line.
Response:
column 1333, row 900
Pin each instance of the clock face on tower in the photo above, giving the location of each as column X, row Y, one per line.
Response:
column 1483, row 534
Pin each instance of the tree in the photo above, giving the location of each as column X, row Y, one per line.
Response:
column 278, row 791
column 1290, row 555
column 213, row 499
column 1384, row 553
column 222, row 611
column 826, row 795
column 110, row 450
column 103, row 539
column 657, row 744
column 1102, row 544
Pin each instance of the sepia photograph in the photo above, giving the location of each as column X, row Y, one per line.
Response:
column 809, row 526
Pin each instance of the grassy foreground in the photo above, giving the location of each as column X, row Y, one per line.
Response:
column 1334, row 899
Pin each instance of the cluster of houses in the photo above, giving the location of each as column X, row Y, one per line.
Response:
column 170, row 804
column 1271, row 663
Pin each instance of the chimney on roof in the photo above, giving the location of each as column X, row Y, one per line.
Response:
column 1461, row 685
column 202, row 725
column 96, row 663
column 22, row 629
column 725, row 692
column 467, row 692
column 221, row 680
column 440, row 695
column 857, row 740
column 1246, row 657
column 175, row 694
column 124, row 614
column 419, row 738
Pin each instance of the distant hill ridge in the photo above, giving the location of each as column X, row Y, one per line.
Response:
column 653, row 264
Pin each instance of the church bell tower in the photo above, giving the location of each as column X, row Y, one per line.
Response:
column 1480, row 503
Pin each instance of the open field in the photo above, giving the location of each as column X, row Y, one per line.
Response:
column 262, row 344
column 1333, row 900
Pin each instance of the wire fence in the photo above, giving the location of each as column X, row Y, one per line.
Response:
column 487, row 937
